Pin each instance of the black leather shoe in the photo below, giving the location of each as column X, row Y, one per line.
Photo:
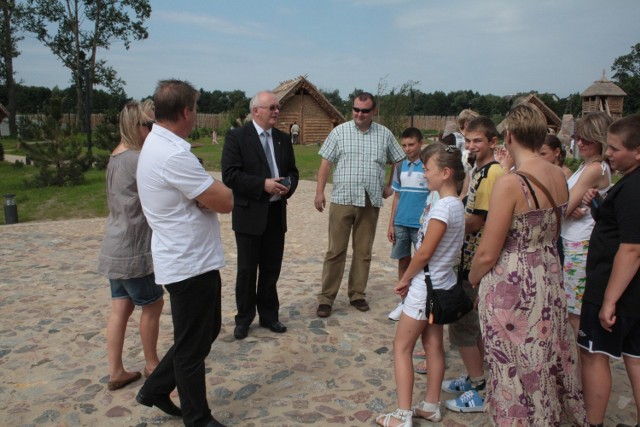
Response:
column 214, row 423
column 241, row 332
column 164, row 403
column 276, row 327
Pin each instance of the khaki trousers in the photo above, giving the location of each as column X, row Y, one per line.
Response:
column 343, row 220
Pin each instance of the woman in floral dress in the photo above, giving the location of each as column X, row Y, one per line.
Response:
column 522, row 306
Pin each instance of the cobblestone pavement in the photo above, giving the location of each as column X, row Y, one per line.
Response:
column 335, row 371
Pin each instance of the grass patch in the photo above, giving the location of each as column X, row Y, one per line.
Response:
column 90, row 199
column 54, row 203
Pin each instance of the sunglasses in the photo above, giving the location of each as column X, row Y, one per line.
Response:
column 272, row 107
column 584, row 141
column 148, row 124
column 451, row 148
column 362, row 110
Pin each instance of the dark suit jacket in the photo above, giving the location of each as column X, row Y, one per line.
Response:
column 244, row 169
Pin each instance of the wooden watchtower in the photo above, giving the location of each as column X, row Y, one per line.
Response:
column 603, row 95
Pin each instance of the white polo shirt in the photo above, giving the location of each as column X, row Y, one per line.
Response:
column 186, row 239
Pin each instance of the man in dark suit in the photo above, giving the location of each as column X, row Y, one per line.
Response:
column 258, row 164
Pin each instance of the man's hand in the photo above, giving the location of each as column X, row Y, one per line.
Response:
column 387, row 190
column 319, row 202
column 273, row 187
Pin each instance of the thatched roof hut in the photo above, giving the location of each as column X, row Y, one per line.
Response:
column 603, row 95
column 302, row 102
column 553, row 121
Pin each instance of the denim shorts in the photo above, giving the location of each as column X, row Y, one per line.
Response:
column 140, row 290
column 405, row 238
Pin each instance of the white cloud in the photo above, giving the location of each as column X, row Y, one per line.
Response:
column 211, row 23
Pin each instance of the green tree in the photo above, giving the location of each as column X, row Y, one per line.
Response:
column 82, row 27
column 59, row 158
column 334, row 98
column 626, row 69
column 394, row 105
column 9, row 28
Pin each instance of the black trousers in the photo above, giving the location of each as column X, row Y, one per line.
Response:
column 261, row 253
column 196, row 313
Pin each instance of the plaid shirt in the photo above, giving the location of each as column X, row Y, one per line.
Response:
column 360, row 159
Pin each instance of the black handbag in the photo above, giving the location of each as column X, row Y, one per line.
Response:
column 445, row 306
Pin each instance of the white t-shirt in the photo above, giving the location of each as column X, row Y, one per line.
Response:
column 449, row 210
column 186, row 239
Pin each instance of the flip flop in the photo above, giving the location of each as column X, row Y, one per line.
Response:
column 117, row 385
column 418, row 354
column 420, row 367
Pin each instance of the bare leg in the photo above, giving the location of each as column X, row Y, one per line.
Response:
column 596, row 384
column 149, row 329
column 633, row 371
column 574, row 321
column 404, row 341
column 403, row 264
column 121, row 309
column 434, row 350
column 473, row 361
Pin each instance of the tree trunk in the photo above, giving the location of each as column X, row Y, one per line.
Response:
column 7, row 10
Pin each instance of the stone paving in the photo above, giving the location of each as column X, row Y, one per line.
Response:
column 335, row 371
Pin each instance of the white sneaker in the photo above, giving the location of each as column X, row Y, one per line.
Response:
column 395, row 314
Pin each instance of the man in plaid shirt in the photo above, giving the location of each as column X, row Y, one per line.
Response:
column 359, row 151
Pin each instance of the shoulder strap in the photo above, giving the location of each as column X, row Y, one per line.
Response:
column 484, row 171
column 546, row 193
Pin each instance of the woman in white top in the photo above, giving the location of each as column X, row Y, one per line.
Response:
column 594, row 172
column 439, row 244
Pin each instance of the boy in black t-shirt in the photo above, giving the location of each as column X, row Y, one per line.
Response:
column 610, row 319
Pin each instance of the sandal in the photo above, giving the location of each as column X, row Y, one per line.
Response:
column 117, row 385
column 400, row 416
column 418, row 353
column 420, row 367
column 428, row 411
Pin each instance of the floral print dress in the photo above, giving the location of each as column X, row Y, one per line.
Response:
column 523, row 315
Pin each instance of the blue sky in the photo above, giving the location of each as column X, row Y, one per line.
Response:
column 490, row 46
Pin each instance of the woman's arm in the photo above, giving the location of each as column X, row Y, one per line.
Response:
column 431, row 240
column 589, row 179
column 501, row 207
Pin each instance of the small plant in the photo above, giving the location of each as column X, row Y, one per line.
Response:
column 59, row 158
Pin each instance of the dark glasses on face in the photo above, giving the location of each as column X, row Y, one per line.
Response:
column 584, row 141
column 362, row 110
column 148, row 124
column 273, row 107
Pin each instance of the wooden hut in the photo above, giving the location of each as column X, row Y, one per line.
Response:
column 603, row 95
column 554, row 123
column 302, row 102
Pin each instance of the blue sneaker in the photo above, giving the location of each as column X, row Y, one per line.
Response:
column 457, row 385
column 469, row 401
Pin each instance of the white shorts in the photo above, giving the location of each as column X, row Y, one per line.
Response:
column 415, row 303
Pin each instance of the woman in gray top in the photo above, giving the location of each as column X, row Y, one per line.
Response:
column 125, row 258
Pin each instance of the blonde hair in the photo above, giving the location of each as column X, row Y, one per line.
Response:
column 528, row 125
column 465, row 117
column 593, row 127
column 132, row 116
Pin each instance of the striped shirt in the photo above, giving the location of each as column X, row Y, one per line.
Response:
column 360, row 159
column 449, row 210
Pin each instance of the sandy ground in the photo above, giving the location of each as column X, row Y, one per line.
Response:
column 335, row 371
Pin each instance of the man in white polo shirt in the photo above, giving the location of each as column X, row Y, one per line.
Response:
column 180, row 200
